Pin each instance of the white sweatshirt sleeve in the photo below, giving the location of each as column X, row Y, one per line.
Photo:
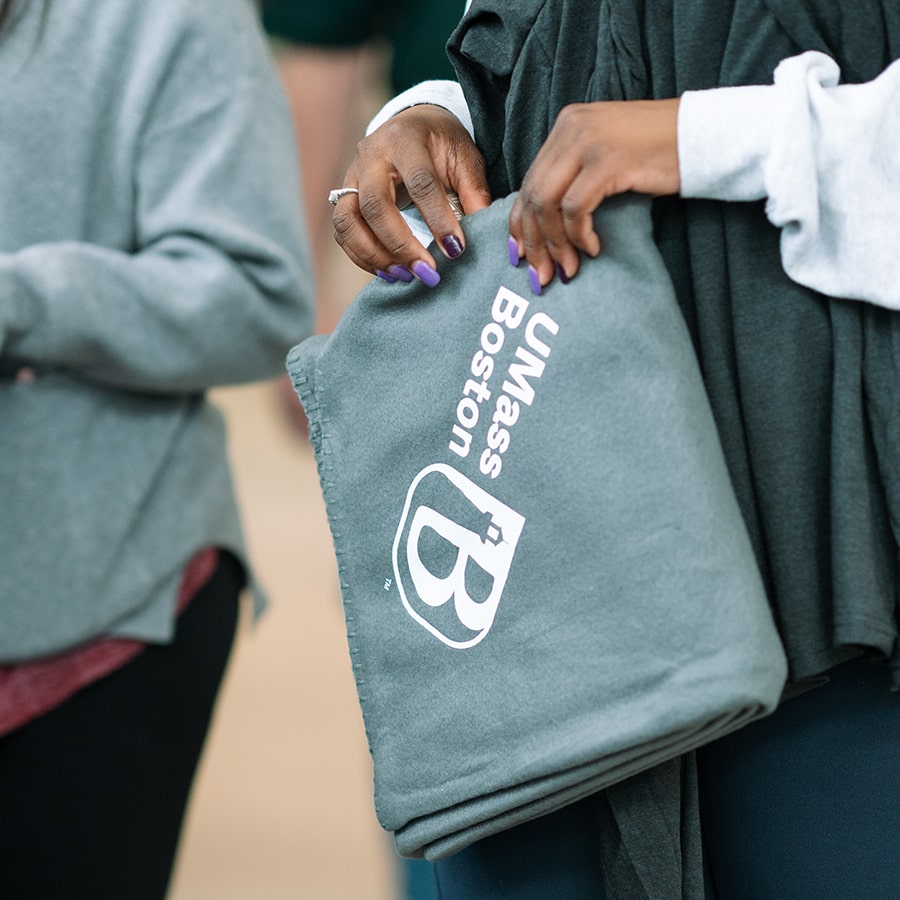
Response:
column 447, row 94
column 825, row 155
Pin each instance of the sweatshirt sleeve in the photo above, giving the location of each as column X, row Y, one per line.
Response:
column 447, row 94
column 824, row 154
column 216, row 287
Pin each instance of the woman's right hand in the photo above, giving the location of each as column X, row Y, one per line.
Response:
column 418, row 156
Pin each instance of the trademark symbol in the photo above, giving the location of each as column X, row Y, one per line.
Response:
column 387, row 584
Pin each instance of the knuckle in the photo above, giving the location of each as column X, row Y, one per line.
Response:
column 572, row 210
column 578, row 125
column 556, row 243
column 399, row 250
column 537, row 204
column 567, row 114
column 420, row 181
column 340, row 239
column 367, row 148
column 371, row 208
column 597, row 158
column 344, row 224
column 571, row 115
column 532, row 245
column 394, row 127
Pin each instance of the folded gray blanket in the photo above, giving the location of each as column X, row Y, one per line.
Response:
column 547, row 583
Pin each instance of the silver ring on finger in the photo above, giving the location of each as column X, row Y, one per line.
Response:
column 337, row 193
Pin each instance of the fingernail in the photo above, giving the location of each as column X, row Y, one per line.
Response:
column 535, row 280
column 388, row 278
column 400, row 273
column 452, row 245
column 561, row 272
column 426, row 274
column 513, row 250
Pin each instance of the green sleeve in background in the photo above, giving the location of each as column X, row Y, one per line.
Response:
column 416, row 31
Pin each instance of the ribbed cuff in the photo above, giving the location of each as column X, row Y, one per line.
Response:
column 447, row 94
column 724, row 138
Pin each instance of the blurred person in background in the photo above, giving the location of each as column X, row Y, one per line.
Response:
column 150, row 248
column 337, row 60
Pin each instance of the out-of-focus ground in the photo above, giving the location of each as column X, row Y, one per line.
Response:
column 282, row 808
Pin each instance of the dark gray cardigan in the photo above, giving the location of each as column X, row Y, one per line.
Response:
column 803, row 387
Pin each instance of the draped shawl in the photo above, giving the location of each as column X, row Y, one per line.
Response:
column 804, row 388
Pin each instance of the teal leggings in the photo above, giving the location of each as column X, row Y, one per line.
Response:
column 803, row 805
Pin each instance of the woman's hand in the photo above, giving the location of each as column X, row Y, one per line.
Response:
column 418, row 156
column 595, row 150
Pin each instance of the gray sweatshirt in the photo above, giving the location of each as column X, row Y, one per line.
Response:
column 150, row 247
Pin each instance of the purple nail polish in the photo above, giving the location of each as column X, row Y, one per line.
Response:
column 535, row 280
column 513, row 250
column 452, row 245
column 401, row 273
column 426, row 274
column 561, row 272
column 384, row 275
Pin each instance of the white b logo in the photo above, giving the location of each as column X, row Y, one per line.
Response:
column 454, row 539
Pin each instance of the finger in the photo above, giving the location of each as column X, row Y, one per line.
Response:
column 548, row 217
column 468, row 177
column 561, row 229
column 537, row 222
column 369, row 226
column 351, row 230
column 584, row 196
column 458, row 168
column 428, row 192
column 387, row 241
column 419, row 155
column 541, row 266
column 360, row 244
column 516, row 246
column 377, row 205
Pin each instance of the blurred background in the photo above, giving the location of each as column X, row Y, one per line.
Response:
column 282, row 807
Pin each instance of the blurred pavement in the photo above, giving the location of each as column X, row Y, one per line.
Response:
column 282, row 808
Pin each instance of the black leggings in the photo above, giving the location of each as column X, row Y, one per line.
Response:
column 803, row 805
column 92, row 794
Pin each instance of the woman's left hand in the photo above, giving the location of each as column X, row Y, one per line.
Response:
column 595, row 150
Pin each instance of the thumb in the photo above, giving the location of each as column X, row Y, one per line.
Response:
column 469, row 179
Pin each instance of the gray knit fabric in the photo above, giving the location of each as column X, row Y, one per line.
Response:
column 150, row 247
